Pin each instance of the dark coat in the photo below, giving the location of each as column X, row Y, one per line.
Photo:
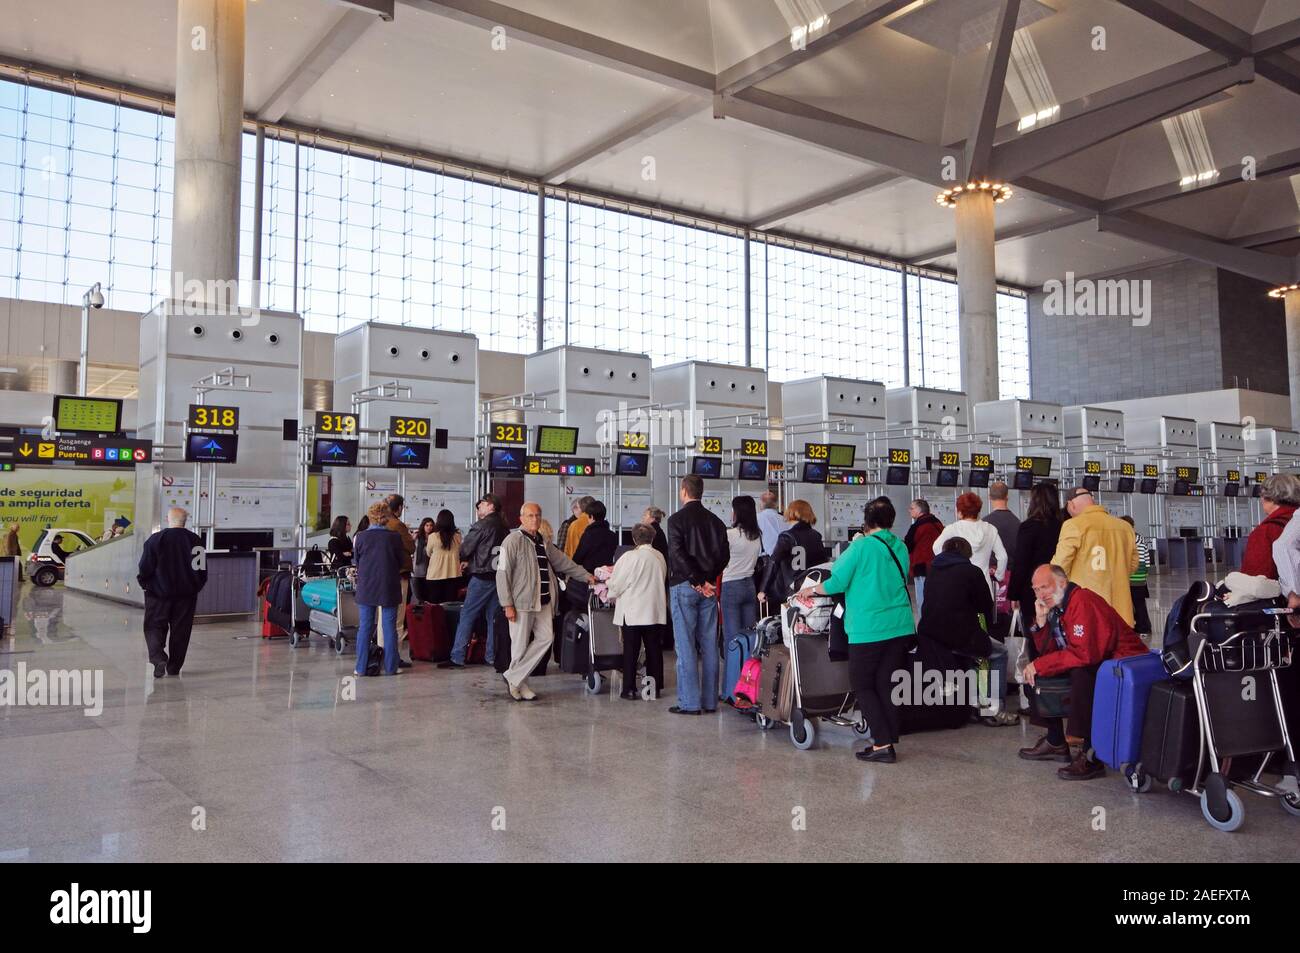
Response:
column 920, row 539
column 377, row 554
column 167, row 565
column 956, row 595
column 481, row 545
column 660, row 541
column 697, row 546
column 596, row 546
column 780, row 573
column 1035, row 545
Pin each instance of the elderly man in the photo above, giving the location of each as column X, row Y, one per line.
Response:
column 1074, row 631
column 1098, row 551
column 771, row 523
column 526, row 588
column 173, row 571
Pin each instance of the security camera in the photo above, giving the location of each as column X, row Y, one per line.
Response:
column 97, row 298
column 236, row 334
column 196, row 330
column 394, row 350
column 424, row 353
column 273, row 339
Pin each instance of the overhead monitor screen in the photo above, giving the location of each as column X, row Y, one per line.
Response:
column 408, row 456
column 1092, row 483
column 329, row 452
column 753, row 470
column 814, row 472
column 87, row 414
column 1182, row 488
column 840, row 455
column 978, row 478
column 1257, row 490
column 1148, row 485
column 1231, row 489
column 632, row 464
column 1024, row 480
column 506, row 460
column 211, row 448
column 706, row 466
column 898, row 476
column 557, row 441
column 1126, row 484
column 947, row 477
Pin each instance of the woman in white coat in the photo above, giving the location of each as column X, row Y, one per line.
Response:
column 640, row 608
column 985, row 543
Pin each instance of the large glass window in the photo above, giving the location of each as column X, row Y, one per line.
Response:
column 831, row 315
column 1013, row 346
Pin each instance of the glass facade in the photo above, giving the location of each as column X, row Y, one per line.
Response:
column 85, row 196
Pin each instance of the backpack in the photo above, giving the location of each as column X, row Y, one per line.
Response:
column 1175, row 652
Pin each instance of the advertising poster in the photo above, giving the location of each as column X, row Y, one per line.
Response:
column 63, row 498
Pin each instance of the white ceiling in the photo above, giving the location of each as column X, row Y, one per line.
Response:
column 430, row 82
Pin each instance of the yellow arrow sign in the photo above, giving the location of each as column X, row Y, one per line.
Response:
column 25, row 449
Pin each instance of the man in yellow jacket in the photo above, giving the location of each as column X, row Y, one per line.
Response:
column 1098, row 551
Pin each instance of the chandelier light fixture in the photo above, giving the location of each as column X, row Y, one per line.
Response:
column 999, row 190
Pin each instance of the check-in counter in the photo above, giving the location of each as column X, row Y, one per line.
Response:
column 108, row 571
column 10, row 580
column 1181, row 552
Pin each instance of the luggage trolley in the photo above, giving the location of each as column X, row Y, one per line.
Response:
column 604, row 642
column 821, row 689
column 1243, row 652
column 332, row 608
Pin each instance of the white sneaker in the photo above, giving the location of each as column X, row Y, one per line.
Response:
column 526, row 693
column 514, row 692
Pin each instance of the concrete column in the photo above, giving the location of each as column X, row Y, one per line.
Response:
column 977, row 299
column 1292, row 300
column 209, row 125
column 63, row 377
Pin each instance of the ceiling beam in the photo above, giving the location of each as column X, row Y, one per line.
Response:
column 1288, row 233
column 1281, row 69
column 1042, row 147
column 1280, row 163
column 561, row 38
column 1195, row 23
column 1275, row 269
column 917, row 160
column 625, row 137
column 1276, row 39
column 979, row 144
column 854, row 187
column 1026, row 230
column 383, row 8
column 844, row 23
column 346, row 31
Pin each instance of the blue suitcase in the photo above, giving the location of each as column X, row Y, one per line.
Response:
column 1119, row 706
column 738, row 649
column 322, row 594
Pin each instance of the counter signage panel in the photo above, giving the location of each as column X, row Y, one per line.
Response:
column 213, row 417
column 410, row 428
column 841, row 454
column 211, row 448
column 949, row 458
column 330, row 452
column 1092, row 466
column 1128, row 469
column 981, row 461
column 753, row 448
column 1234, row 476
column 328, row 422
column 847, row 477
column 557, row 441
column 1190, row 474
column 514, row 435
column 541, row 466
column 899, row 457
column 634, row 441
column 817, row 451
column 408, row 455
column 1150, row 470
column 87, row 415
column 1261, row 476
column 708, row 445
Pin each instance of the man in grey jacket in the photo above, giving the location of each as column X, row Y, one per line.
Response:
column 527, row 590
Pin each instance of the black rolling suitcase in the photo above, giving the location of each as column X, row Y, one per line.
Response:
column 1171, row 734
column 575, row 655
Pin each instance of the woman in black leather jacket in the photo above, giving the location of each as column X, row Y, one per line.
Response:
column 797, row 548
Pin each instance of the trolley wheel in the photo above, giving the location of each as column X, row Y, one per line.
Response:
column 808, row 738
column 593, row 683
column 294, row 637
column 339, row 644
column 1290, row 806
column 1139, row 782
column 861, row 727
column 1176, row 785
column 762, row 721
column 1236, row 812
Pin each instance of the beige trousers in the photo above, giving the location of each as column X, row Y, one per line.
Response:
column 525, row 654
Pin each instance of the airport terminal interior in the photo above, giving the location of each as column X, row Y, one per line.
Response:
column 270, row 267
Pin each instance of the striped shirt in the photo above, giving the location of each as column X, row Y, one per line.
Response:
column 543, row 566
column 1139, row 577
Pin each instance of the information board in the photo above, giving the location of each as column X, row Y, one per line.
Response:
column 75, row 415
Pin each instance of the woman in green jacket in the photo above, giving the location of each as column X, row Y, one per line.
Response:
column 878, row 620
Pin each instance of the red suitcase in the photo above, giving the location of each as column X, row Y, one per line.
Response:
column 426, row 627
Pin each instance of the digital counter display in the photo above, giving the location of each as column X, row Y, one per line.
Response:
column 87, row 415
column 557, row 441
column 899, row 457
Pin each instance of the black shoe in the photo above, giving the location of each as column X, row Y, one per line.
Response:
column 683, row 711
column 160, row 670
column 710, row 711
column 403, row 663
column 173, row 672
column 629, row 696
column 885, row 755
column 452, row 665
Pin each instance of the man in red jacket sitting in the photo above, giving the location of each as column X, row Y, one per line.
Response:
column 1074, row 631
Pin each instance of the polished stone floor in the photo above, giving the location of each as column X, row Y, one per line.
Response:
column 254, row 755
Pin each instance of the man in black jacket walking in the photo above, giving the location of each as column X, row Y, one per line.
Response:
column 173, row 571
column 478, row 555
column 697, row 554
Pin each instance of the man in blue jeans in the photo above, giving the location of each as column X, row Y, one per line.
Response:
column 697, row 554
column 478, row 555
column 377, row 554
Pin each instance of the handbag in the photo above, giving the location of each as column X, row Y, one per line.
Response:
column 1052, row 696
column 747, row 686
column 1017, row 649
